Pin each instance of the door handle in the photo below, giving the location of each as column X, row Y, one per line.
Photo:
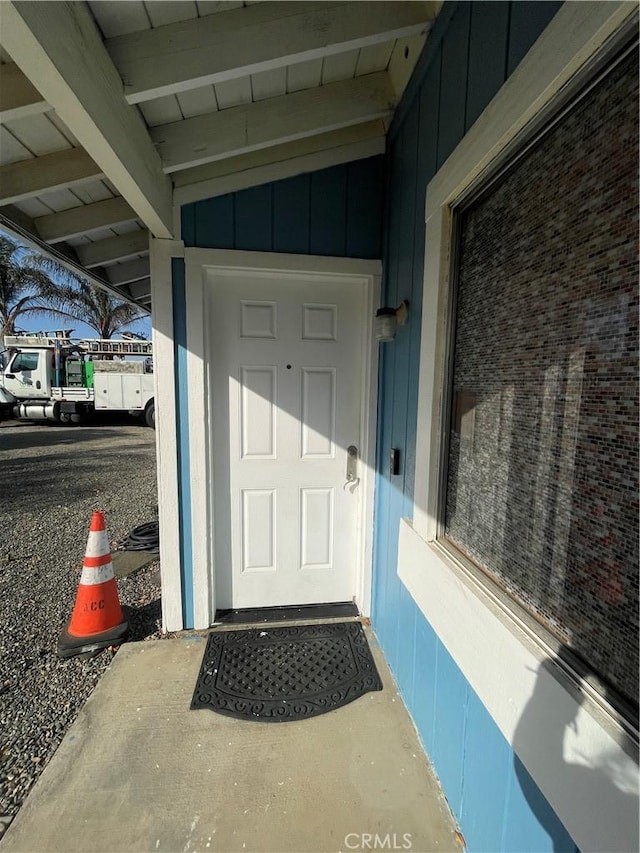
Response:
column 352, row 463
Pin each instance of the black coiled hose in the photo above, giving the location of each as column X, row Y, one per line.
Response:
column 145, row 537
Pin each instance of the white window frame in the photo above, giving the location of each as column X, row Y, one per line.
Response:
column 470, row 620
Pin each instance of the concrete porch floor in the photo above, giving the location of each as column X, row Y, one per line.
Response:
column 139, row 771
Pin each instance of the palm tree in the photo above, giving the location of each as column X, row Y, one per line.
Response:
column 24, row 286
column 32, row 283
column 93, row 306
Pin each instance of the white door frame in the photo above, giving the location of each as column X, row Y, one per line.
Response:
column 365, row 272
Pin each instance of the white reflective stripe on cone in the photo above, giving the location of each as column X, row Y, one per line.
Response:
column 92, row 575
column 97, row 544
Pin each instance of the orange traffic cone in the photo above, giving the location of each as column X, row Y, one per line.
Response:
column 97, row 620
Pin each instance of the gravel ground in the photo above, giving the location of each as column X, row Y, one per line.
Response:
column 51, row 479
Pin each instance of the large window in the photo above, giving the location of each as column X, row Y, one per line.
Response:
column 542, row 490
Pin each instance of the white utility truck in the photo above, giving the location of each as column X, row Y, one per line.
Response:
column 55, row 378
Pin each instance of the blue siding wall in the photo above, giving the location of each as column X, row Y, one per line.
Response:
column 470, row 52
column 182, row 436
column 336, row 211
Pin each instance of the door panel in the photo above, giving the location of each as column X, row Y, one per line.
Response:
column 318, row 412
column 285, row 391
column 258, row 412
column 258, row 530
column 316, row 527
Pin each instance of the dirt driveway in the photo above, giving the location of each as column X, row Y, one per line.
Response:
column 51, row 479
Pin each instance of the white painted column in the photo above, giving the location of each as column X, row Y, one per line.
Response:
column 162, row 251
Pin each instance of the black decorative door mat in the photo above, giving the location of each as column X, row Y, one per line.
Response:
column 286, row 673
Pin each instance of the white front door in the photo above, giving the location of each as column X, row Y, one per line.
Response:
column 285, row 398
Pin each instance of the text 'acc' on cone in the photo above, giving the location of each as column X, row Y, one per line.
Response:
column 97, row 620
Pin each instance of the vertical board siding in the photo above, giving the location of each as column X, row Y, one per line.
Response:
column 188, row 224
column 453, row 83
column 452, row 700
column 426, row 166
column 424, row 681
column 407, row 284
column 291, row 210
column 527, row 17
column 380, row 519
column 406, row 645
column 488, row 41
column 471, row 51
column 329, row 212
column 365, row 198
column 488, row 759
column 213, row 223
column 387, row 486
column 335, row 211
column 407, row 163
column 252, row 221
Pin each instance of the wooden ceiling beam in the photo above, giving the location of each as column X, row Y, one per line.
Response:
column 140, row 290
column 44, row 174
column 251, row 127
column 279, row 162
column 264, row 36
column 127, row 272
column 113, row 249
column 55, row 227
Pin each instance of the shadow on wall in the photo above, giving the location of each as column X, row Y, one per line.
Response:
column 548, row 733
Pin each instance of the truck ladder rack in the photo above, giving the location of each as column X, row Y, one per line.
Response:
column 90, row 346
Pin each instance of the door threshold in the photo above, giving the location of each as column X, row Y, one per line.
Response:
column 290, row 613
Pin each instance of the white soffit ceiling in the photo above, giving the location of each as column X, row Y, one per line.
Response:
column 87, row 166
